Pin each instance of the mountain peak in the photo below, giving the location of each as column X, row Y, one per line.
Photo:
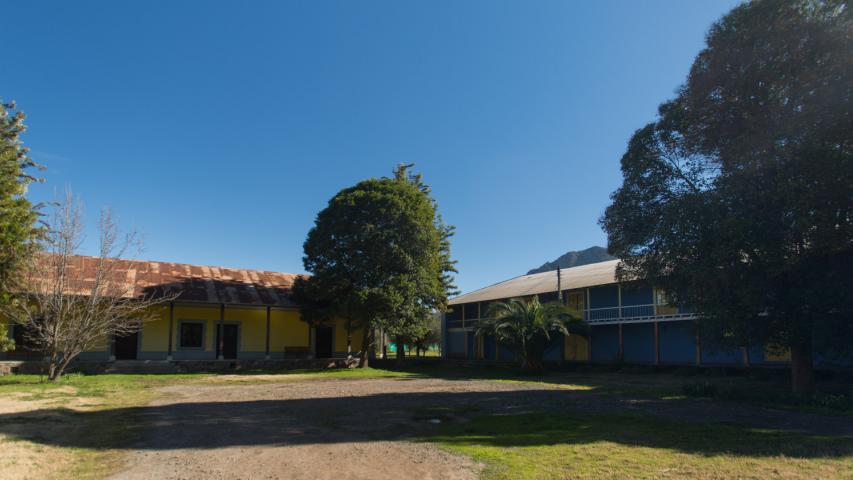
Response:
column 575, row 259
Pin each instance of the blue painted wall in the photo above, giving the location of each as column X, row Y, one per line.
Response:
column 472, row 349
column 554, row 353
column 604, row 297
column 677, row 342
column 716, row 355
column 455, row 343
column 638, row 341
column 637, row 295
column 506, row 355
column 605, row 343
column 756, row 356
column 830, row 360
column 489, row 347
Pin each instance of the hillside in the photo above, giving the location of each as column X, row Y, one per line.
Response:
column 574, row 259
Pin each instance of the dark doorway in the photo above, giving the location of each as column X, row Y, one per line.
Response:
column 24, row 346
column 125, row 347
column 229, row 341
column 323, row 342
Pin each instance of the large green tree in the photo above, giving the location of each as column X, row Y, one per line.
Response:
column 738, row 200
column 19, row 230
column 379, row 255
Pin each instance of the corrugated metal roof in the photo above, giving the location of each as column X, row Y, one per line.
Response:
column 194, row 283
column 602, row 273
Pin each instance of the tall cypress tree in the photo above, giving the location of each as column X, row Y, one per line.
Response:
column 19, row 230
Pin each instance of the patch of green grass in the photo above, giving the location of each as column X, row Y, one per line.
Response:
column 645, row 384
column 112, row 385
column 552, row 445
column 261, row 376
column 81, row 385
column 366, row 372
column 768, row 396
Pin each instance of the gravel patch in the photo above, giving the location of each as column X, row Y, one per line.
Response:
column 367, row 428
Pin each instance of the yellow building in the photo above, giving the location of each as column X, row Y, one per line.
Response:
column 218, row 314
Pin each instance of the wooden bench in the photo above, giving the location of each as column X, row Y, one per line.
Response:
column 296, row 352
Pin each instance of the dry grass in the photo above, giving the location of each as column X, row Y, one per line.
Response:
column 31, row 446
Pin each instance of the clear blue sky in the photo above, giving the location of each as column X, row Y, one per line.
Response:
column 220, row 129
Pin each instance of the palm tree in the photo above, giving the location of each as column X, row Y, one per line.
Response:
column 527, row 327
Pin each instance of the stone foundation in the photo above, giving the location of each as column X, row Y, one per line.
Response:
column 180, row 366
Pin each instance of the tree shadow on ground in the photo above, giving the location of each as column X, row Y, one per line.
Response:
column 502, row 418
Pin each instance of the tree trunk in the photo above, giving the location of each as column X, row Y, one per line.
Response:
column 802, row 367
column 63, row 366
column 531, row 360
column 349, row 345
column 531, row 365
column 58, row 366
column 364, row 361
column 401, row 351
column 52, row 366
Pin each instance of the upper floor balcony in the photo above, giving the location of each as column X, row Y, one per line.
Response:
column 619, row 314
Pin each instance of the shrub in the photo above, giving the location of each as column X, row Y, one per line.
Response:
column 699, row 389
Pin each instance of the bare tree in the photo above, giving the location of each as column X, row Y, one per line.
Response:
column 75, row 303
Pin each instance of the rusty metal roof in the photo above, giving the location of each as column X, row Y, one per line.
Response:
column 195, row 283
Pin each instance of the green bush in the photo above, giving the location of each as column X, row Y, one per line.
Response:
column 767, row 396
column 699, row 389
column 832, row 401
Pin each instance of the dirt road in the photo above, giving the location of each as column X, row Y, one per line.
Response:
column 362, row 428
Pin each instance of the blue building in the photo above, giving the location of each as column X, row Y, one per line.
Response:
column 630, row 323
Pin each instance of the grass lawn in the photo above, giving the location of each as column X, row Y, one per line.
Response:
column 42, row 424
column 639, row 383
column 550, row 445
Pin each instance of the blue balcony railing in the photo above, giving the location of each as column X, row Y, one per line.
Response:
column 638, row 311
column 627, row 313
column 602, row 314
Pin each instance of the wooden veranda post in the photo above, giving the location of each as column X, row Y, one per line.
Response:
column 267, row 345
column 220, row 353
column 171, row 328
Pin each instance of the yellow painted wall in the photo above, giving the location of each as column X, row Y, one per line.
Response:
column 774, row 354
column 575, row 302
column 209, row 315
column 287, row 330
column 253, row 327
column 155, row 331
column 341, row 337
column 101, row 344
column 577, row 348
column 661, row 305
